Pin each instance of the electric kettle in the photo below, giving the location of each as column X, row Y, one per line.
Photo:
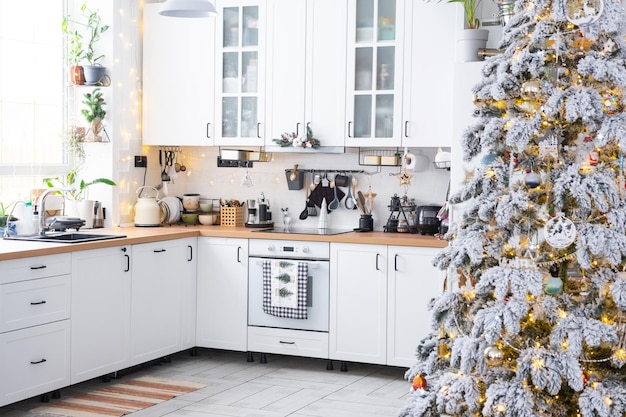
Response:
column 147, row 209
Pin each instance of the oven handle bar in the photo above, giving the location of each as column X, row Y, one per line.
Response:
column 311, row 265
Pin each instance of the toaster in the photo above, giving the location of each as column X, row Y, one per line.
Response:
column 427, row 222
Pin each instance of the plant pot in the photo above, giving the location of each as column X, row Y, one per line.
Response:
column 95, row 128
column 94, row 74
column 468, row 42
column 76, row 75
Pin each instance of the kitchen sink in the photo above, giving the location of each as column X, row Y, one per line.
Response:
column 66, row 237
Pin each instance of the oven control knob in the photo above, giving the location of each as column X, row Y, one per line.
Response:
column 271, row 248
column 305, row 249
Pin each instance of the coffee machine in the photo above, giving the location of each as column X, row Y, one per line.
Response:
column 259, row 214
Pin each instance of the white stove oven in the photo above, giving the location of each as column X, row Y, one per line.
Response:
column 268, row 333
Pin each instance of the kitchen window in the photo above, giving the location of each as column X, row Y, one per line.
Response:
column 32, row 95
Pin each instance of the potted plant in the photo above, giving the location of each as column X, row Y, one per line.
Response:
column 76, row 204
column 94, row 72
column 75, row 53
column 94, row 113
column 471, row 38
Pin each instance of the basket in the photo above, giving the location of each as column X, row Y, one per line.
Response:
column 231, row 216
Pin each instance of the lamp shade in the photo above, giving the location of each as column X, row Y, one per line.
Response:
column 187, row 8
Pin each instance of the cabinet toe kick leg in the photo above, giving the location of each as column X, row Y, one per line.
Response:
column 344, row 366
column 250, row 357
column 263, row 358
column 329, row 365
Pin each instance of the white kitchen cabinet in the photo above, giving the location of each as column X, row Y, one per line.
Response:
column 412, row 282
column 240, row 72
column 101, row 288
column 222, row 295
column 34, row 360
column 160, row 284
column 306, row 61
column 427, row 99
column 358, row 303
column 376, row 36
column 34, row 326
column 178, row 80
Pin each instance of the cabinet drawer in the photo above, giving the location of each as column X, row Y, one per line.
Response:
column 288, row 342
column 35, row 267
column 34, row 302
column 34, row 361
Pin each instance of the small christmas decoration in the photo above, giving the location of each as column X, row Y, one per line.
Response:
column 583, row 12
column 585, row 377
column 404, row 177
column 552, row 284
column 610, row 103
column 532, row 179
column 292, row 139
column 419, row 382
column 493, row 355
column 559, row 231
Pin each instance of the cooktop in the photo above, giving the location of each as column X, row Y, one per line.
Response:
column 300, row 231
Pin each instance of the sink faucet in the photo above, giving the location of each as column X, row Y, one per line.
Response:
column 42, row 208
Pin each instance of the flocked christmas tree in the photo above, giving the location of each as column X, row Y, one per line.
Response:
column 537, row 323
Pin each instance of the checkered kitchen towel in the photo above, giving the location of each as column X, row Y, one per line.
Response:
column 285, row 288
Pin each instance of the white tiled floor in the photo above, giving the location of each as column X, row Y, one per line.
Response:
column 284, row 386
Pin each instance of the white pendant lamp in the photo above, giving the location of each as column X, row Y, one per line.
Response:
column 187, row 8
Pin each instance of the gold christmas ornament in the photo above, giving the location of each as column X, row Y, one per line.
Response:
column 493, row 355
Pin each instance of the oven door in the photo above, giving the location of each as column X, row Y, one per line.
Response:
column 318, row 293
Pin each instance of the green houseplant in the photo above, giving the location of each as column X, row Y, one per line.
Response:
column 94, row 113
column 69, row 182
column 75, row 53
column 472, row 37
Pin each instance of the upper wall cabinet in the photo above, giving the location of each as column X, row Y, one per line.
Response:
column 178, row 79
column 306, row 61
column 375, row 66
column 428, row 82
column 240, row 69
column 400, row 60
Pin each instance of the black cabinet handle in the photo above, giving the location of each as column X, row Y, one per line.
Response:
column 377, row 255
column 36, row 303
column 406, row 128
column 38, row 267
column 286, row 343
column 258, row 130
column 207, row 130
column 123, row 249
column 159, row 250
column 38, row 362
column 127, row 263
column 349, row 129
column 239, row 254
column 298, row 129
column 395, row 262
column 190, row 253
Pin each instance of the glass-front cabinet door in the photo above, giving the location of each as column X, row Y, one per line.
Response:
column 375, row 64
column 240, row 72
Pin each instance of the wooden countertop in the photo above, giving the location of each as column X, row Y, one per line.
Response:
column 14, row 249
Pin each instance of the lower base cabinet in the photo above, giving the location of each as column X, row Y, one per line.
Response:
column 412, row 281
column 358, row 303
column 101, row 288
column 379, row 302
column 34, row 360
column 162, row 273
column 222, row 295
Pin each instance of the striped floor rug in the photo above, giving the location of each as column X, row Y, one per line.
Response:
column 119, row 399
